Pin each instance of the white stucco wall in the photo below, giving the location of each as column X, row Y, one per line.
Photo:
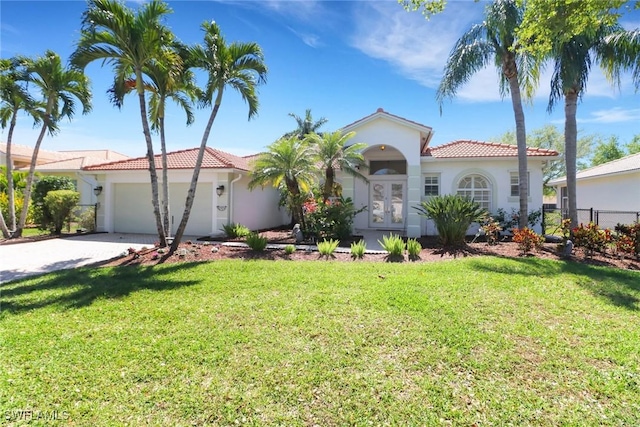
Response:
column 611, row 192
column 257, row 209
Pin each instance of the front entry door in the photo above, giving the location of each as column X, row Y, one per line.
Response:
column 387, row 204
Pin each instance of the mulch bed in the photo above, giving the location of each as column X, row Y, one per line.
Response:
column 431, row 252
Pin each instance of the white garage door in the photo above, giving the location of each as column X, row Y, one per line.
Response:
column 134, row 212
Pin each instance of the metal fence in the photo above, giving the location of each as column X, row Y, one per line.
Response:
column 552, row 218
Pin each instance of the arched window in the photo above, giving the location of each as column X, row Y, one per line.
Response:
column 478, row 188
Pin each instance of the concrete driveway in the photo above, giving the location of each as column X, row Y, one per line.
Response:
column 25, row 259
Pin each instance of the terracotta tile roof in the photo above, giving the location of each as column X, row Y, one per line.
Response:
column 183, row 159
column 25, row 152
column 468, row 148
column 381, row 112
column 69, row 164
column 105, row 155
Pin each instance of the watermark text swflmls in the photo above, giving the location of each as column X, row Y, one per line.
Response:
column 34, row 415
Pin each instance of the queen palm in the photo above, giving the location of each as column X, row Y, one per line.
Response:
column 288, row 165
column 129, row 41
column 572, row 62
column 60, row 88
column 306, row 125
column 14, row 98
column 494, row 40
column 237, row 65
column 333, row 153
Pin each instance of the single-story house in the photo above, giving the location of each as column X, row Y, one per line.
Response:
column 612, row 186
column 222, row 195
column 403, row 171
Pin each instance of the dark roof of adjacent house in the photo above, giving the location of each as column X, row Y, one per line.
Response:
column 480, row 149
column 183, row 159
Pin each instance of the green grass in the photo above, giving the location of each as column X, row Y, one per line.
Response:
column 30, row 232
column 480, row 340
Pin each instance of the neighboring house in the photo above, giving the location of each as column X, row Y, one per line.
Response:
column 222, row 195
column 63, row 163
column 612, row 186
column 404, row 171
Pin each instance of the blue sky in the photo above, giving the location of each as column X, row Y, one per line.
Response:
column 342, row 60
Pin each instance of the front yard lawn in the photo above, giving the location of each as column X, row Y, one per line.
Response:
column 485, row 341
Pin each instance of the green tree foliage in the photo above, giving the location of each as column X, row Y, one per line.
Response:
column 306, row 125
column 59, row 204
column 128, row 40
column 236, row 65
column 606, row 151
column 60, row 88
column 551, row 138
column 288, row 164
column 42, row 215
column 452, row 215
column 494, row 42
column 633, row 146
column 333, row 152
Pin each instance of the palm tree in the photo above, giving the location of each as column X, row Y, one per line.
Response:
column 495, row 39
column 14, row 98
column 237, row 65
column 57, row 85
column 333, row 152
column 289, row 165
column 168, row 79
column 306, row 125
column 572, row 63
column 129, row 41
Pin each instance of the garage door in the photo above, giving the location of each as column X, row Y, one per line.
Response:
column 134, row 212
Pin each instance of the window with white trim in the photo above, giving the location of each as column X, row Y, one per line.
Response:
column 515, row 184
column 477, row 188
column 432, row 185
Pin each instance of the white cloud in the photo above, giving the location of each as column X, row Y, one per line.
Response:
column 309, row 39
column 613, row 115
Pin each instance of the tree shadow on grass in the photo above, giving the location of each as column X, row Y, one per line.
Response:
column 71, row 289
column 618, row 287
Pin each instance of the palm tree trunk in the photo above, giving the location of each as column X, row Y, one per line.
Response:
column 32, row 170
column 151, row 158
column 191, row 194
column 328, row 183
column 165, row 181
column 570, row 151
column 3, row 226
column 10, row 189
column 521, row 141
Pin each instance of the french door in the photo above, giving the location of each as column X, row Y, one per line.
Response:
column 387, row 203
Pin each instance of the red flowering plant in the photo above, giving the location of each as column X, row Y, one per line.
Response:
column 329, row 219
column 591, row 237
column 627, row 239
column 527, row 239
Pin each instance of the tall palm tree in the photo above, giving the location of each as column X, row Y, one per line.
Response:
column 494, row 40
column 333, row 153
column 306, row 125
column 60, row 88
column 129, row 41
column 289, row 165
column 572, row 61
column 236, row 65
column 14, row 97
column 166, row 79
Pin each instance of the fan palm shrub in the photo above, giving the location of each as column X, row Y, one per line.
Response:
column 452, row 215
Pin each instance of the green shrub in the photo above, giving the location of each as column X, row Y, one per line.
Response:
column 44, row 185
column 414, row 248
column 527, row 239
column 358, row 249
column 289, row 249
column 256, row 242
column 591, row 238
column 491, row 229
column 60, row 204
column 86, row 218
column 452, row 215
column 233, row 230
column 330, row 219
column 327, row 247
column 394, row 245
column 628, row 239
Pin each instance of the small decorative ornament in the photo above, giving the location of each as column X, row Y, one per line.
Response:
column 182, row 252
column 214, row 250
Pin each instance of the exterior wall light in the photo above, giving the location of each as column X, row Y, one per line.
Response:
column 220, row 190
column 98, row 190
